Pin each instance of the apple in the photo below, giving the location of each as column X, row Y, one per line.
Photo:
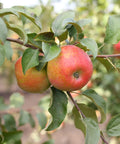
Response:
column 33, row 81
column 71, row 70
column 117, row 48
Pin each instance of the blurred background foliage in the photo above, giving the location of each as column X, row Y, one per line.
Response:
column 106, row 83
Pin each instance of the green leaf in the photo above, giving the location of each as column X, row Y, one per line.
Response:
column 98, row 101
column 58, row 25
column 9, row 122
column 19, row 30
column 7, row 11
column 25, row 118
column 3, row 106
column 77, row 26
column 113, row 127
column 16, row 100
column 51, row 141
column 36, row 20
column 42, row 119
column 87, row 111
column 58, row 108
column 91, row 45
column 45, row 37
column 12, row 137
column 106, row 63
column 92, row 131
column 51, row 51
column 32, row 40
column 2, row 54
column 83, row 22
column 30, row 59
column 8, row 50
column 113, row 30
column 3, row 31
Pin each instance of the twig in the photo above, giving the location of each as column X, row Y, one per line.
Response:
column 83, row 116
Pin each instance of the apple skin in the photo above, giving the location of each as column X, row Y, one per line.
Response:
column 33, row 81
column 71, row 70
column 116, row 48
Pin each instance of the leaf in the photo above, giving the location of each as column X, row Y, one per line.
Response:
column 77, row 26
column 112, row 35
column 8, row 50
column 58, row 108
column 16, row 100
column 87, row 111
column 42, row 119
column 113, row 127
column 2, row 54
column 7, row 11
column 106, row 63
column 92, row 131
column 19, row 30
column 83, row 22
column 9, row 122
column 25, row 118
column 12, row 136
column 58, row 25
column 36, row 20
column 31, row 39
column 3, row 106
column 98, row 101
column 3, row 31
column 91, row 45
column 51, row 141
column 30, row 59
column 45, row 37
column 51, row 51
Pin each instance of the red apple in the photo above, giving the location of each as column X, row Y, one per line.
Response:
column 71, row 70
column 117, row 48
column 33, row 81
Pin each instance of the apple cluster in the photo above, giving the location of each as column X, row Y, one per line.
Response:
column 69, row 71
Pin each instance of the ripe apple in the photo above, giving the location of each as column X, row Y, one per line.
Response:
column 71, row 70
column 33, row 81
column 117, row 48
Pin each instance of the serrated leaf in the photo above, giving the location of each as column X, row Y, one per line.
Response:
column 8, row 50
column 51, row 51
column 87, row 111
column 45, row 37
column 51, row 141
column 112, row 35
column 91, row 45
column 107, row 64
column 92, row 131
column 58, row 25
column 42, row 119
column 83, row 22
column 3, row 31
column 58, row 108
column 2, row 54
column 7, row 11
column 36, row 20
column 19, row 30
column 98, row 101
column 25, row 118
column 113, row 127
column 30, row 59
column 16, row 100
column 31, row 39
column 9, row 122
column 12, row 136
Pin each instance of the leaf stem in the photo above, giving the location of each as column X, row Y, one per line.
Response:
column 103, row 139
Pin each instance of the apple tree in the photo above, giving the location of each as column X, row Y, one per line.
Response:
column 42, row 53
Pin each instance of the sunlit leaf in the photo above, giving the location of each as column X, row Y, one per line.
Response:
column 113, row 127
column 30, row 59
column 7, row 11
column 83, row 22
column 58, row 108
column 98, row 101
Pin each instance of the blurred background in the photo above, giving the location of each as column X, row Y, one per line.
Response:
column 106, row 83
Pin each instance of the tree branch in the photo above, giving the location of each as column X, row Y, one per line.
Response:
column 83, row 116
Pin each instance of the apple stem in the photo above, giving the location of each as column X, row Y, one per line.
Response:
column 83, row 116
